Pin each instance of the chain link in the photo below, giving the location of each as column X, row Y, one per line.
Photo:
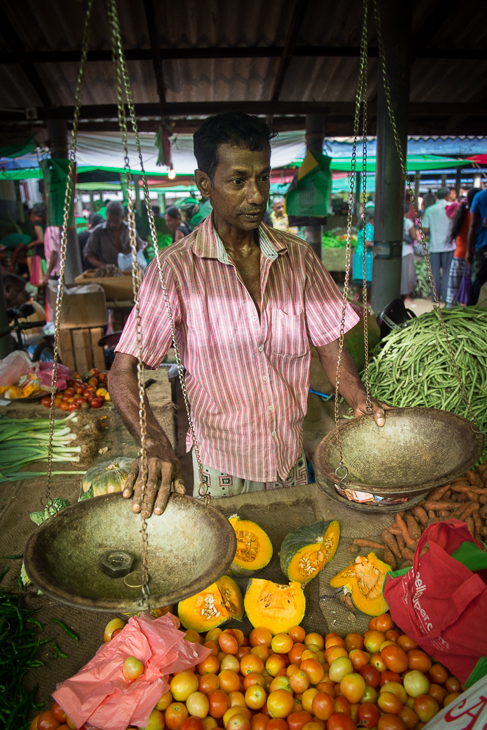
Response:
column 360, row 99
column 68, row 200
column 436, row 302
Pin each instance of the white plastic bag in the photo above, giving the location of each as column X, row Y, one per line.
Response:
column 13, row 366
column 125, row 261
column 467, row 712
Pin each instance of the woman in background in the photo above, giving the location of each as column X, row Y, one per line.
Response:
column 459, row 231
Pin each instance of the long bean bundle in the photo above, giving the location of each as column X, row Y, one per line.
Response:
column 412, row 366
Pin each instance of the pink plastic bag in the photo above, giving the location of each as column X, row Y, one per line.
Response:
column 13, row 366
column 100, row 695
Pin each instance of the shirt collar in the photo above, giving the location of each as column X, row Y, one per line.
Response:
column 208, row 244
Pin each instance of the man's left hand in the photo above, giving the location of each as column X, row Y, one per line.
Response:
column 378, row 409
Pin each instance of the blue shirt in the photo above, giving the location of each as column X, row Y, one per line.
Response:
column 479, row 205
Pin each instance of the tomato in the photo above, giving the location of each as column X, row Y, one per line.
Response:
column 219, row 703
column 251, row 663
column 368, row 715
column 281, row 643
column 260, row 636
column 46, row 401
column 314, row 725
column 426, row 707
column 255, row 697
column 393, row 635
column 449, row 698
column 395, row 658
column 352, row 687
column 237, row 710
column 47, row 721
column 115, row 623
column 96, row 402
column 438, row 674
column 184, row 684
column 389, row 703
column 103, row 377
column 297, row 634
column 419, row 660
column 358, row 658
column 33, row 724
column 373, row 641
column 228, row 643
column 354, row 641
column 416, row 683
column 409, row 717
column 280, row 682
column 384, row 622
column 438, row 692
column 278, row 725
column 342, row 705
column 391, row 722
column 210, row 665
column 372, row 624
column 165, row 701
column 69, row 392
column 340, row 668
column 262, row 651
column 339, row 721
column 93, row 381
column 259, row 721
column 326, row 687
column 296, row 653
column 90, row 389
column 406, row 643
column 370, row 695
column 377, row 662
column 80, row 389
column 274, row 664
column 64, row 405
column 314, row 639
column 198, row 705
column 192, row 723
column 453, row 685
column 299, row 681
column 238, row 722
column 389, row 676
column 334, row 641
column 253, row 678
column 73, row 407
column 296, row 720
column 236, row 699
column 396, row 689
column 323, row 706
column 371, row 675
column 280, row 704
column 208, row 683
column 313, row 669
column 229, row 681
column 58, row 713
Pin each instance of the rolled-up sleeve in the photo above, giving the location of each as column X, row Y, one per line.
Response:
column 92, row 247
column 324, row 304
column 155, row 325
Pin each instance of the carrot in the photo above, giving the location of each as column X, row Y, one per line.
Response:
column 482, row 468
column 391, row 543
column 443, row 514
column 483, row 512
column 483, row 531
column 413, row 527
column 394, row 530
column 460, row 483
column 457, row 515
column 437, row 494
column 400, row 522
column 406, row 564
column 401, row 543
column 471, row 526
column 472, row 496
column 431, row 516
column 389, row 558
column 477, row 521
column 360, row 542
column 408, row 554
column 471, row 477
column 447, row 494
column 439, row 505
column 475, row 490
column 470, row 509
column 420, row 515
column 483, row 499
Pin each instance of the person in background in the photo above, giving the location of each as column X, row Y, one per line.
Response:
column 437, row 224
column 52, row 251
column 109, row 239
column 477, row 243
column 452, row 196
column 429, row 199
column 366, row 235
column 15, row 295
column 93, row 220
column 459, row 234
column 172, row 216
column 408, row 270
column 279, row 219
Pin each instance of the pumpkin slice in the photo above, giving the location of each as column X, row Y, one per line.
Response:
column 208, row 609
column 110, row 476
column 308, row 549
column 273, row 606
column 363, row 581
column 254, row 549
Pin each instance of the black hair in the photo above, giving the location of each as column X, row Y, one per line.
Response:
column 461, row 212
column 173, row 212
column 235, row 128
column 95, row 219
column 442, row 193
column 115, row 208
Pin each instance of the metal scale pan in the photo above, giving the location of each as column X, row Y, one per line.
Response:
column 190, row 546
column 416, row 450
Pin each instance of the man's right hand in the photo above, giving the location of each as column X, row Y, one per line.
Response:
column 164, row 471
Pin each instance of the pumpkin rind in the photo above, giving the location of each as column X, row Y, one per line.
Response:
column 105, row 478
column 306, row 551
column 208, row 609
column 363, row 580
column 275, row 607
column 254, row 548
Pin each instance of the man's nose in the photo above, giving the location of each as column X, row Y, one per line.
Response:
column 254, row 193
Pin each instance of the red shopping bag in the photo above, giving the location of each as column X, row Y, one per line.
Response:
column 441, row 604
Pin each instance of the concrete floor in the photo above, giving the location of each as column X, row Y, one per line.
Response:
column 420, row 306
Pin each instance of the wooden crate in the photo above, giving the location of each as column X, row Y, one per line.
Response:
column 79, row 349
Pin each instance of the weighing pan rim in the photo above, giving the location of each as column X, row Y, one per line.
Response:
column 323, row 466
column 33, row 560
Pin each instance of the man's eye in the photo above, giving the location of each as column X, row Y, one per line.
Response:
column 265, row 178
column 238, row 181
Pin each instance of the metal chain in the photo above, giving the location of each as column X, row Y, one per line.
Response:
column 68, row 200
column 436, row 303
column 203, row 486
column 362, row 81
column 119, row 62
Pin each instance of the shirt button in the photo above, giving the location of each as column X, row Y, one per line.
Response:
column 260, row 348
column 265, row 377
column 255, row 319
column 271, row 408
column 273, row 434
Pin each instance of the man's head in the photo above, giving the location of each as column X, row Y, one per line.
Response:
column 233, row 155
column 443, row 193
column 14, row 290
column 278, row 207
column 172, row 216
column 114, row 216
column 94, row 219
column 452, row 195
column 156, row 211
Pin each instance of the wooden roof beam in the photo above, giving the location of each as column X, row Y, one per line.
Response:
column 150, row 17
column 297, row 19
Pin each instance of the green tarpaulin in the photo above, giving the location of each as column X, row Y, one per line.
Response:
column 27, row 147
column 414, row 163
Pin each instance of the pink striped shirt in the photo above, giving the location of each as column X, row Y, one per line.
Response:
column 247, row 378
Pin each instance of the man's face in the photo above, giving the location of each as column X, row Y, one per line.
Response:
column 114, row 221
column 278, row 209
column 172, row 223
column 240, row 187
column 15, row 297
column 453, row 196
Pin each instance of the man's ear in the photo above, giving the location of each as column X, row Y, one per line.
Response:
column 203, row 183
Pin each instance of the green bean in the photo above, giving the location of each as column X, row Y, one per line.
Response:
column 66, row 629
column 11, row 557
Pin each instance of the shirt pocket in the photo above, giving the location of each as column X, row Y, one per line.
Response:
column 290, row 337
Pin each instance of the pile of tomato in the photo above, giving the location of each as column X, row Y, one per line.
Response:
column 299, row 681
column 82, row 393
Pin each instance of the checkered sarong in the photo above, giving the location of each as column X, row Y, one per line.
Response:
column 455, row 276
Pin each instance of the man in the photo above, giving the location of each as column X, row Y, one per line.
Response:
column 477, row 243
column 441, row 248
column 172, row 216
column 52, row 252
column 15, row 295
column 279, row 219
column 93, row 220
column 246, row 302
column 109, row 239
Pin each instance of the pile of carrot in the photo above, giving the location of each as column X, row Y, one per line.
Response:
column 463, row 499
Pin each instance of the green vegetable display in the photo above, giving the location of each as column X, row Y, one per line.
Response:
column 412, row 366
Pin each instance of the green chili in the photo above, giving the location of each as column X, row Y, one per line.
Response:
column 66, row 629
column 58, row 651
